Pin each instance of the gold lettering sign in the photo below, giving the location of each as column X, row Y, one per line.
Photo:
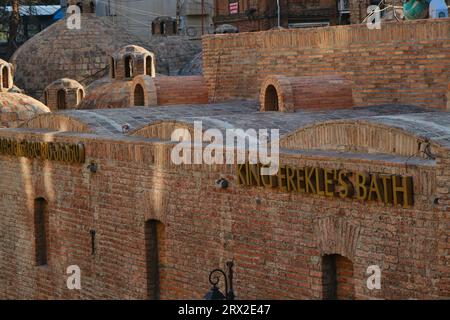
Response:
column 389, row 189
column 54, row 151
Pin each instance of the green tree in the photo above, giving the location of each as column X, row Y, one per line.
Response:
column 10, row 20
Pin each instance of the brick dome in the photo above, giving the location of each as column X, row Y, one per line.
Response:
column 63, row 94
column 65, row 83
column 84, row 54
column 107, row 93
column 16, row 108
column 59, row 52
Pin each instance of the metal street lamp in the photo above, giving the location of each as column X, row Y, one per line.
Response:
column 214, row 279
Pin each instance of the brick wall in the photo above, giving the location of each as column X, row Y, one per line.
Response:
column 170, row 90
column 402, row 62
column 358, row 10
column 288, row 94
column 277, row 239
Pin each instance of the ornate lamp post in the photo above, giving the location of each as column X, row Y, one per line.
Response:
column 214, row 279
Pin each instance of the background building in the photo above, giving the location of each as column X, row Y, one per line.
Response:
column 256, row 15
column 98, row 189
column 137, row 16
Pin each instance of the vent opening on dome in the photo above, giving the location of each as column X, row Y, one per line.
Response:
column 5, row 77
column 80, row 95
column 128, row 67
column 61, row 95
column 112, row 64
column 139, row 95
column 271, row 100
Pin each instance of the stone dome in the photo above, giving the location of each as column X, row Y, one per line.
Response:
column 193, row 67
column 16, row 108
column 63, row 94
column 59, row 52
column 172, row 53
column 84, row 54
column 132, row 50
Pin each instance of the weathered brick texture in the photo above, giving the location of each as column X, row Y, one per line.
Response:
column 163, row 91
column 287, row 94
column 402, row 62
column 272, row 235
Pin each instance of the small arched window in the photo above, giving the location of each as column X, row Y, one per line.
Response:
column 271, row 99
column 112, row 64
column 41, row 231
column 149, row 66
column 61, row 99
column 154, row 242
column 5, row 77
column 80, row 95
column 162, row 28
column 139, row 95
column 128, row 67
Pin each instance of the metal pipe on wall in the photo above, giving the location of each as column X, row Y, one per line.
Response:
column 279, row 14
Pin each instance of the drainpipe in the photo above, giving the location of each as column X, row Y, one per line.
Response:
column 203, row 17
column 279, row 14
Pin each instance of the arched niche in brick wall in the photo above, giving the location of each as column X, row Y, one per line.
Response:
column 5, row 77
column 162, row 129
column 287, row 94
column 360, row 136
column 138, row 95
column 86, row 6
column 336, row 235
column 338, row 281
column 175, row 90
column 58, row 122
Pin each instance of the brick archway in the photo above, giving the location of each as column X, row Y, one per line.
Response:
column 337, row 240
column 337, row 236
column 338, row 282
column 139, row 96
column 276, row 88
column 307, row 92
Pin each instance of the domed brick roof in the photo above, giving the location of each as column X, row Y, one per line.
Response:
column 84, row 54
column 131, row 50
column 59, row 52
column 65, row 83
column 107, row 94
column 16, row 108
